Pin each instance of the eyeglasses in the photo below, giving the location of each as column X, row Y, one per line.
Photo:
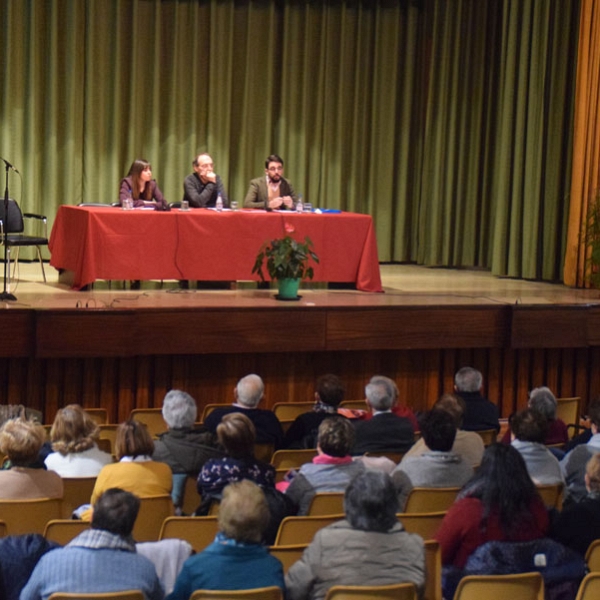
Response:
column 275, row 169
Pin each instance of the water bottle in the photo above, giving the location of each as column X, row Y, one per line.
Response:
column 299, row 204
column 219, row 203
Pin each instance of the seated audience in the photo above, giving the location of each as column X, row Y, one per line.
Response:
column 237, row 559
column 543, row 401
column 101, row 559
column 369, row 547
column 528, row 432
column 184, row 448
column 248, row 394
column 499, row 503
column 303, row 431
column 439, row 467
column 74, row 436
column 332, row 469
column 21, row 475
column 384, row 431
column 140, row 188
column 480, row 413
column 467, row 444
column 574, row 463
column 578, row 525
column 135, row 472
column 236, row 434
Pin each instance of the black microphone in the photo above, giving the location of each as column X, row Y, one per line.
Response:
column 9, row 165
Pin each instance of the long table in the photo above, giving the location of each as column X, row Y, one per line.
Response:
column 202, row 244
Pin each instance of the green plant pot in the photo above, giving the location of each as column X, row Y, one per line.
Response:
column 288, row 288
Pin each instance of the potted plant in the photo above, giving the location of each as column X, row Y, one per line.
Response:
column 287, row 262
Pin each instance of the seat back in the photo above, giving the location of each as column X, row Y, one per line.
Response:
column 433, row 568
column 589, row 588
column 100, row 415
column 398, row 591
column 288, row 411
column 191, row 497
column 14, row 222
column 292, row 459
column 109, row 432
column 489, row 436
column 264, row 451
column 327, row 503
column 288, row 555
column 62, row 531
column 354, row 404
column 567, row 409
column 430, row 499
column 2, row 529
column 521, row 586
column 425, row 524
column 551, row 494
column 264, row 593
column 152, row 418
column 199, row 532
column 592, row 556
column 76, row 491
column 301, row 530
column 125, row 595
column 153, row 511
column 208, row 408
column 29, row 516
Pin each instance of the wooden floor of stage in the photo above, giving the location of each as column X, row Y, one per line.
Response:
column 404, row 285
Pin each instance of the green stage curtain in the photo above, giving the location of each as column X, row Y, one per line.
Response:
column 449, row 121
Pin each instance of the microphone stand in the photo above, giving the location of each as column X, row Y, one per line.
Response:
column 6, row 295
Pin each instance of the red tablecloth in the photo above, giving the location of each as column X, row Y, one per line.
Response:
column 110, row 243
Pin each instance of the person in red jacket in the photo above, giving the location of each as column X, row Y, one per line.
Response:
column 499, row 503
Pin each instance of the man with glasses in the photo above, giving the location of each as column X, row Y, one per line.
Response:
column 272, row 191
column 202, row 187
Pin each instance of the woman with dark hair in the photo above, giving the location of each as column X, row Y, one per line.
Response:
column 369, row 547
column 331, row 470
column 500, row 503
column 140, row 188
column 236, row 434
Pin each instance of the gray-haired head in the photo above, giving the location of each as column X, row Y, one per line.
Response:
column 381, row 393
column 544, row 401
column 250, row 390
column 179, row 410
column 468, row 379
column 371, row 502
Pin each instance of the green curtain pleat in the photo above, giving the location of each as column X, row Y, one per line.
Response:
column 449, row 121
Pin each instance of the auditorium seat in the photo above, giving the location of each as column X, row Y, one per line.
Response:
column 301, row 530
column 199, row 532
column 589, row 588
column 592, row 556
column 292, row 459
column 425, row 524
column 398, row 591
column 62, row 531
column 29, row 515
column 152, row 418
column 327, row 503
column 76, row 491
column 265, row 593
column 153, row 511
column 422, row 500
column 288, row 411
column 521, row 586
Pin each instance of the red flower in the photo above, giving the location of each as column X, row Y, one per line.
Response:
column 289, row 228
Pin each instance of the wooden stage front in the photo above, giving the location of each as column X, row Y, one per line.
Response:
column 124, row 349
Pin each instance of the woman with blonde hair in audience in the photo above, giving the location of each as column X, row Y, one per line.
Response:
column 237, row 559
column 135, row 472
column 74, row 437
column 21, row 441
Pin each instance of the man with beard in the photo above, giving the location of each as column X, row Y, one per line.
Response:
column 272, row 191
